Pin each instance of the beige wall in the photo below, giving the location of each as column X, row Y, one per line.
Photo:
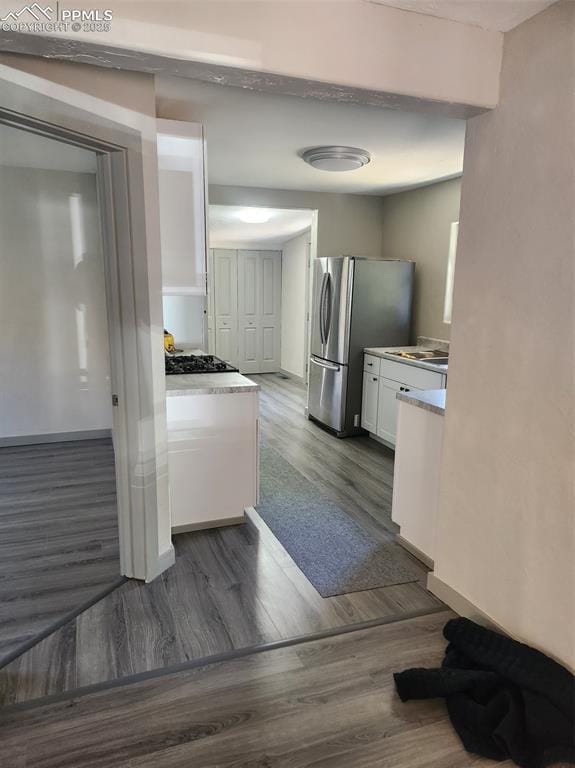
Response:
column 131, row 90
column 506, row 537
column 416, row 225
column 347, row 224
column 349, row 43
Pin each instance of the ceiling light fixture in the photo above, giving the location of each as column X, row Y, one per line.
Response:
column 336, row 158
column 255, row 215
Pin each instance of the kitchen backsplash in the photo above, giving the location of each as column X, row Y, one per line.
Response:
column 427, row 341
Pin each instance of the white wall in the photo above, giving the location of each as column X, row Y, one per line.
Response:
column 346, row 224
column 184, row 319
column 506, row 529
column 294, row 286
column 416, row 226
column 54, row 340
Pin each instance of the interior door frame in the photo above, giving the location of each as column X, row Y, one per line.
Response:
column 137, row 435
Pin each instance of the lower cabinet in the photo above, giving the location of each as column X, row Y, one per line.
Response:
column 386, row 425
column 369, row 404
column 212, row 458
column 379, row 406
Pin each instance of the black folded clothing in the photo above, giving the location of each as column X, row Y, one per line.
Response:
column 504, row 699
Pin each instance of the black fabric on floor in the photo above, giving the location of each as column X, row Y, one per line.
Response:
column 505, row 699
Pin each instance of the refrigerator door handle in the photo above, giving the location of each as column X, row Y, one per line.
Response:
column 327, row 302
column 323, row 364
column 321, row 307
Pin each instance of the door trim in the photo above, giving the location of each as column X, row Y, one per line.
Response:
column 140, row 435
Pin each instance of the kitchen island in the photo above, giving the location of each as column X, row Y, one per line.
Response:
column 212, row 448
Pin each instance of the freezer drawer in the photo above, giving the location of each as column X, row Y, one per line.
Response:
column 327, row 393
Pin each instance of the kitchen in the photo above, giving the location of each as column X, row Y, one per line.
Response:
column 270, row 629
column 388, row 334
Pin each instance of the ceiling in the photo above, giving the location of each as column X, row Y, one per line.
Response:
column 253, row 139
column 22, row 149
column 500, row 15
column 226, row 230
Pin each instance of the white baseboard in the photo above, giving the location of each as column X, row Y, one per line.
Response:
column 415, row 551
column 461, row 605
column 55, row 437
column 165, row 561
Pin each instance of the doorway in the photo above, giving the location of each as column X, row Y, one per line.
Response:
column 59, row 543
column 258, row 287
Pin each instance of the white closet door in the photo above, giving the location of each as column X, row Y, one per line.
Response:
column 226, row 304
column 270, row 317
column 249, row 310
column 259, row 310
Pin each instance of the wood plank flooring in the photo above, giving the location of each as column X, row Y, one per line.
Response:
column 58, row 535
column 328, row 703
column 356, row 472
column 231, row 587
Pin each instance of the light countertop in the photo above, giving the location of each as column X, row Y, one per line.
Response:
column 429, row 399
column 385, row 353
column 208, row 384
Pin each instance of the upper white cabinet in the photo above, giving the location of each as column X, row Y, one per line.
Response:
column 182, row 185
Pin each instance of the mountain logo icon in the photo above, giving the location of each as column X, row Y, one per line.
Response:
column 35, row 10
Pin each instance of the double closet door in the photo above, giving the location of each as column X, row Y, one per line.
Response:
column 245, row 308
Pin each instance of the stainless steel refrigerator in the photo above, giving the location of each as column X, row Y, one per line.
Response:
column 356, row 303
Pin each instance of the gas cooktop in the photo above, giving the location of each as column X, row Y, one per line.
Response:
column 178, row 364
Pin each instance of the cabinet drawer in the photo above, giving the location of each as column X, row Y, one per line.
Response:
column 371, row 364
column 410, row 375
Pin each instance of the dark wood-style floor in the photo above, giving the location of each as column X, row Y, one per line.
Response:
column 330, row 703
column 58, row 535
column 232, row 587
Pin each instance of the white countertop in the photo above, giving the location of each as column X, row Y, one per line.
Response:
column 429, row 399
column 208, row 384
column 385, row 353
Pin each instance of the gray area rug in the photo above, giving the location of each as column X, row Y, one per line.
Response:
column 335, row 553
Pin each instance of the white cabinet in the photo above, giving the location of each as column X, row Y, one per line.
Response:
column 369, row 402
column 210, row 305
column 416, row 478
column 212, row 458
column 245, row 293
column 387, row 410
column 382, row 380
column 182, row 202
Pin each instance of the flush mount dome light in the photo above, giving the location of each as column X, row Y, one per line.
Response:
column 254, row 215
column 336, row 158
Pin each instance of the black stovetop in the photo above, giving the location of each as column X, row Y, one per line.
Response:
column 178, row 364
